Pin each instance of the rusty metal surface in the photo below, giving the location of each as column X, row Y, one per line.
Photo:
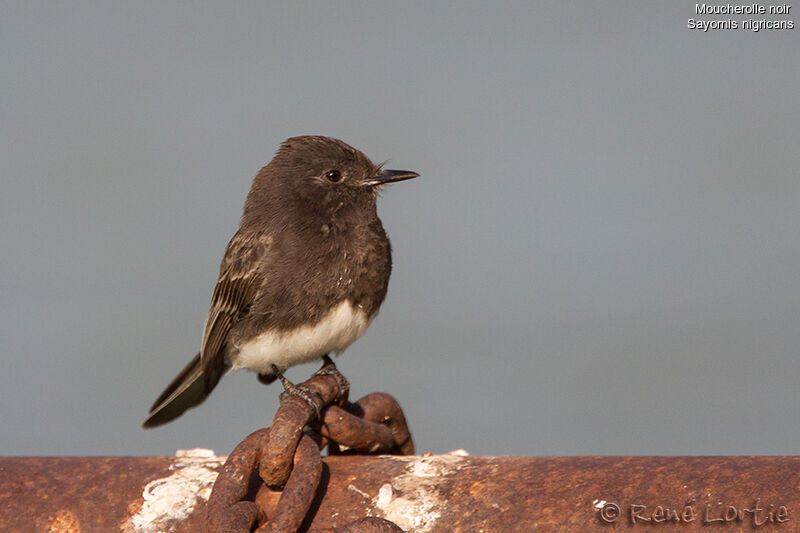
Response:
column 730, row 494
column 226, row 510
column 365, row 525
column 373, row 414
column 287, row 427
column 298, row 494
column 73, row 493
column 439, row 493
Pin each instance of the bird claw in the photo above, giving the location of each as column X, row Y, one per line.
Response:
column 329, row 369
column 307, row 394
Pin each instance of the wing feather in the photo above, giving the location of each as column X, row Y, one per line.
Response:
column 238, row 286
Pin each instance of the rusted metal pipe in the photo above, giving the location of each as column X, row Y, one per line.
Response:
column 438, row 493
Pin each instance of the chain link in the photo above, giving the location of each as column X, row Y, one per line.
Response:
column 287, row 454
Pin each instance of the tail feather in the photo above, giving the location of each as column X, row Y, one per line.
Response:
column 187, row 390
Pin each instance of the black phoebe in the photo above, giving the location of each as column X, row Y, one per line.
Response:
column 303, row 277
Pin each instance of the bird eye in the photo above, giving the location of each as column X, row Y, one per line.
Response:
column 333, row 175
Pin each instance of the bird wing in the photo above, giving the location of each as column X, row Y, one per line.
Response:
column 238, row 286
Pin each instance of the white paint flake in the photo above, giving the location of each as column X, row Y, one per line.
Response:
column 358, row 491
column 385, row 495
column 174, row 497
column 412, row 499
column 459, row 452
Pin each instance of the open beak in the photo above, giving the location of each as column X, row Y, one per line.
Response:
column 388, row 176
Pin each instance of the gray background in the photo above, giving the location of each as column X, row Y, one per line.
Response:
column 602, row 256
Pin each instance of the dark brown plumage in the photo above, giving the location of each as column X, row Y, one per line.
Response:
column 304, row 275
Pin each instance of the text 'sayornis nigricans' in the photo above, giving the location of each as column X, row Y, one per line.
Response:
column 304, row 275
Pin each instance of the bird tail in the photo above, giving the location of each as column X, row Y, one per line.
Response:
column 187, row 390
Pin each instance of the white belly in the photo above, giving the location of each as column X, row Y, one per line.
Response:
column 335, row 332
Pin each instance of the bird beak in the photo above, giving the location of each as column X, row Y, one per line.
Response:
column 388, row 176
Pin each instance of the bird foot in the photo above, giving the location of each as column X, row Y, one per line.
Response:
column 329, row 369
column 307, row 394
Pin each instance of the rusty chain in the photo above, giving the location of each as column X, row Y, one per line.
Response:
column 287, row 455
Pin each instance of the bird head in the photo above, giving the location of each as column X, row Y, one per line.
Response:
column 320, row 174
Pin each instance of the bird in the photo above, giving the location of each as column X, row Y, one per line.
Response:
column 304, row 275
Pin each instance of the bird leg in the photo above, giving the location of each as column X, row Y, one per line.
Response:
column 304, row 393
column 267, row 379
column 329, row 369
